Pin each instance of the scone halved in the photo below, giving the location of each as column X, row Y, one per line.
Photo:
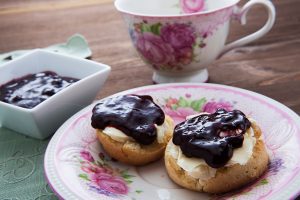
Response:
column 226, row 178
column 133, row 153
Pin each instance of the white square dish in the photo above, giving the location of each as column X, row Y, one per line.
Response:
column 44, row 119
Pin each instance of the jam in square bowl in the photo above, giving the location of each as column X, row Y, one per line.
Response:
column 61, row 84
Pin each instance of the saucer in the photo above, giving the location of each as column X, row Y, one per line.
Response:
column 76, row 166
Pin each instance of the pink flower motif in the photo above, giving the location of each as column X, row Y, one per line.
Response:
column 110, row 183
column 191, row 6
column 181, row 37
column 91, row 168
column 87, row 156
column 180, row 114
column 171, row 101
column 154, row 49
column 212, row 106
column 188, row 95
column 178, row 35
column 184, row 55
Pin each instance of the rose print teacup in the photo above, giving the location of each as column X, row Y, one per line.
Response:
column 180, row 38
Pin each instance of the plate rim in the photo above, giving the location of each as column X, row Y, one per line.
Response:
column 64, row 193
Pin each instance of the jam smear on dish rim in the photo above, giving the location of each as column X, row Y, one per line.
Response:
column 30, row 90
column 134, row 115
column 212, row 137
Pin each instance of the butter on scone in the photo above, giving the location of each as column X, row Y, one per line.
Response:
column 217, row 152
column 132, row 128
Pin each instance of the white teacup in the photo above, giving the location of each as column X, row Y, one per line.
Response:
column 180, row 38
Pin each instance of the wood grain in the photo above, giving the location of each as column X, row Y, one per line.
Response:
column 269, row 66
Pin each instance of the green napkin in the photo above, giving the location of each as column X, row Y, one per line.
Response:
column 76, row 46
column 21, row 168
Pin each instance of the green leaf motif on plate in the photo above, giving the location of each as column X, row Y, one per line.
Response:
column 183, row 102
column 138, row 191
column 84, row 176
column 263, row 182
column 198, row 104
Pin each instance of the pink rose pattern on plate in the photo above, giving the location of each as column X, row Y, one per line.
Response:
column 180, row 108
column 212, row 106
column 101, row 177
column 191, row 6
column 167, row 46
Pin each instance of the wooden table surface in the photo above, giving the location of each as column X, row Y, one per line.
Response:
column 270, row 66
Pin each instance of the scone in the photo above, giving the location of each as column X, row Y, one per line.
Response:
column 132, row 129
column 216, row 153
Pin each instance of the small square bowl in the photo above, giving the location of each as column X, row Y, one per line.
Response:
column 44, row 119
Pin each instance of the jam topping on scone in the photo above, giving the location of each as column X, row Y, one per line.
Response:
column 212, row 137
column 134, row 115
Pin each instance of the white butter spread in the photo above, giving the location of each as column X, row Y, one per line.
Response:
column 119, row 136
column 116, row 134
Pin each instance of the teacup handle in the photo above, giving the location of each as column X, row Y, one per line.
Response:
column 241, row 15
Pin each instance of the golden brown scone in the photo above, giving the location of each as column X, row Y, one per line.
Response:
column 133, row 153
column 226, row 178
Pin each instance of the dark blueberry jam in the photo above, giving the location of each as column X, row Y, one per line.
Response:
column 30, row 90
column 134, row 115
column 212, row 137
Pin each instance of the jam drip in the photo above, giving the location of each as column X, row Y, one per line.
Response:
column 212, row 137
column 30, row 90
column 134, row 115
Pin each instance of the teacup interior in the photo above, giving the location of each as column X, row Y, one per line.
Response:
column 171, row 7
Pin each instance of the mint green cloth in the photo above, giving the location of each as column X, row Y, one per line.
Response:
column 21, row 168
column 22, row 158
column 75, row 46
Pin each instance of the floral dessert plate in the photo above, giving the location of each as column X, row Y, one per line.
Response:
column 77, row 167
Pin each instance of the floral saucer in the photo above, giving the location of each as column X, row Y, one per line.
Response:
column 77, row 167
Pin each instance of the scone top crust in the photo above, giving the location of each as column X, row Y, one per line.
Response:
column 212, row 137
column 134, row 115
